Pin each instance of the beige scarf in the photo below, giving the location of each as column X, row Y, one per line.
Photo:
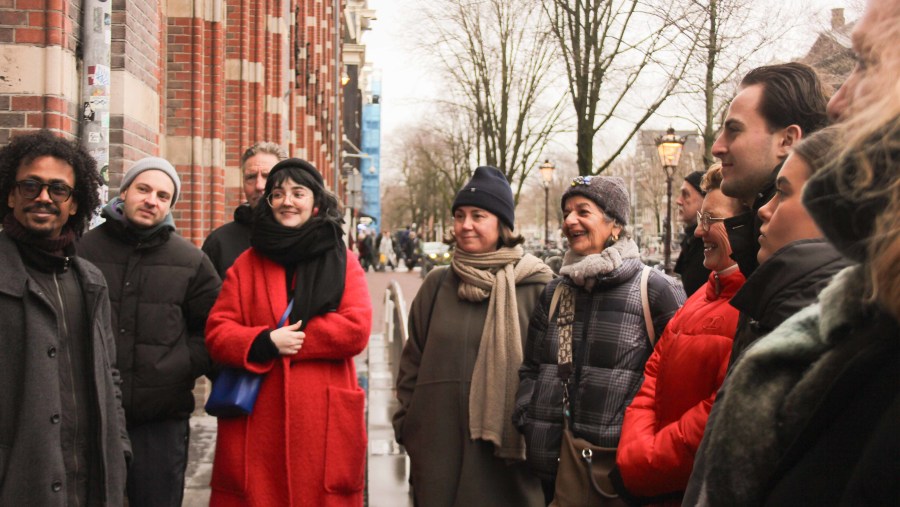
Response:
column 495, row 379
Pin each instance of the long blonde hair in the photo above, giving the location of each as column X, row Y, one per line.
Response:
column 868, row 161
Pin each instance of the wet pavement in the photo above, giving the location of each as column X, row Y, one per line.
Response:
column 387, row 478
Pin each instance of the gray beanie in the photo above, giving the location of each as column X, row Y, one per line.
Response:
column 148, row 163
column 607, row 192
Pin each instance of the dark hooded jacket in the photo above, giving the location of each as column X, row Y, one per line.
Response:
column 786, row 283
column 226, row 243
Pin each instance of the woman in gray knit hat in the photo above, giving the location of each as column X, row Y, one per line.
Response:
column 600, row 288
column 459, row 368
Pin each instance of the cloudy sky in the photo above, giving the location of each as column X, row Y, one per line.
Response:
column 409, row 86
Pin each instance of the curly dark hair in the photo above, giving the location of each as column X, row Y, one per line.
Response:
column 26, row 148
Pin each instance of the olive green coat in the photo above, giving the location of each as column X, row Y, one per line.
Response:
column 447, row 467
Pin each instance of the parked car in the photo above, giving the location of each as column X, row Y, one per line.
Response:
column 434, row 253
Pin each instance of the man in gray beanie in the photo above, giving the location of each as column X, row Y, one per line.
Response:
column 161, row 288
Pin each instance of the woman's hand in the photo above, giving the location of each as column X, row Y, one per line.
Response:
column 288, row 339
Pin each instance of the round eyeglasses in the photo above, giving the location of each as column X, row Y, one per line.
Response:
column 58, row 192
column 706, row 220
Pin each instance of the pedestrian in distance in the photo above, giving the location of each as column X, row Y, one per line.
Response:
column 161, row 288
column 459, row 368
column 62, row 428
column 664, row 424
column 610, row 341
column 305, row 441
column 777, row 106
column 387, row 257
column 690, row 264
column 809, row 414
column 226, row 243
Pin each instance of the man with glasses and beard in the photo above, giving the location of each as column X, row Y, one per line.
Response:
column 62, row 427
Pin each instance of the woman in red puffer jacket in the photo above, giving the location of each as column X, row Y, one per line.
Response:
column 664, row 424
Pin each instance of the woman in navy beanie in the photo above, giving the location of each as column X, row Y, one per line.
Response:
column 459, row 368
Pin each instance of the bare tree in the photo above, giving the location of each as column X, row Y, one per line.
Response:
column 495, row 54
column 731, row 37
column 619, row 62
column 436, row 160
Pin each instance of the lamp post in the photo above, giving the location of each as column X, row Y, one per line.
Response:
column 669, row 147
column 547, row 176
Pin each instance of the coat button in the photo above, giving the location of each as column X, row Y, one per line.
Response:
column 128, row 284
column 51, row 351
column 54, row 418
column 122, row 331
column 56, row 486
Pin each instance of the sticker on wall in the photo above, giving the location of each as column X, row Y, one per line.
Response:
column 94, row 137
column 98, row 19
column 98, row 155
column 98, row 75
column 88, row 112
column 104, row 119
column 99, row 102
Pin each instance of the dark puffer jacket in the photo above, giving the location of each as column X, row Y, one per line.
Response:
column 786, row 283
column 161, row 290
column 609, row 345
column 225, row 244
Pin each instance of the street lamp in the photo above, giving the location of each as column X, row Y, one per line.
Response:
column 669, row 148
column 547, row 176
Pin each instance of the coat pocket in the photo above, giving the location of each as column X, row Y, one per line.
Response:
column 345, row 441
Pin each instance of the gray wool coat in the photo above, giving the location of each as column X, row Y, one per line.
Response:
column 448, row 468
column 31, row 462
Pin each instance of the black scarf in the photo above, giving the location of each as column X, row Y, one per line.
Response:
column 315, row 252
column 51, row 253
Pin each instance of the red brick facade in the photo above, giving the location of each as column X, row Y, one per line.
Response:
column 194, row 81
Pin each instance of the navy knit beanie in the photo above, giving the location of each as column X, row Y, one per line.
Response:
column 694, row 180
column 489, row 190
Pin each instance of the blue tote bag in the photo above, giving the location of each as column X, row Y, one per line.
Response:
column 235, row 390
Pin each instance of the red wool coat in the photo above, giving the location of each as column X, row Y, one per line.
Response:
column 665, row 422
column 305, row 442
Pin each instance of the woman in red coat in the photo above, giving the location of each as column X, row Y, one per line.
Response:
column 305, row 442
column 664, row 424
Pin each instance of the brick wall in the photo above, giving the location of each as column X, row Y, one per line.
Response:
column 37, row 88
column 181, row 88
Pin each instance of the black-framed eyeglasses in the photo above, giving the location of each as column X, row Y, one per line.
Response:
column 706, row 220
column 58, row 192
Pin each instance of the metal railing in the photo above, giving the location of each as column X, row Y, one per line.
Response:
column 395, row 319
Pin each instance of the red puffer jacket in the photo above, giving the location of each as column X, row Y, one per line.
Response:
column 664, row 424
